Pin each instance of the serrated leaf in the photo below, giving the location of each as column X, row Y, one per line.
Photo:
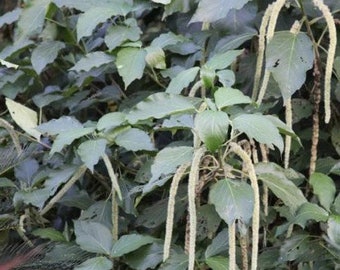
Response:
column 324, row 188
column 67, row 137
column 226, row 96
column 10, row 17
column 88, row 21
column 135, row 139
column 223, row 60
column 93, row 236
column 217, row 263
column 182, row 80
column 110, row 120
column 24, row 117
column 310, row 211
column 118, row 34
column 273, row 176
column 50, row 234
column 61, row 125
column 45, row 54
column 253, row 125
column 91, row 60
column 212, row 128
column 32, row 19
column 233, row 200
column 36, row 197
column 129, row 243
column 288, row 57
column 159, row 105
column 211, row 11
column 90, row 152
column 130, row 64
column 96, row 263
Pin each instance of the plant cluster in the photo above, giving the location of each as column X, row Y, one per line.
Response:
column 171, row 134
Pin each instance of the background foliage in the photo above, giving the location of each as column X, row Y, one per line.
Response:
column 106, row 106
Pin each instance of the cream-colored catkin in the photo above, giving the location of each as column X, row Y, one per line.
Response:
column 261, row 48
column 171, row 209
column 288, row 138
column 234, row 147
column 112, row 175
column 330, row 56
column 193, row 178
column 232, row 246
column 276, row 8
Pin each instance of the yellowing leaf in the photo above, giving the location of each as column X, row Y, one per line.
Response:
column 24, row 117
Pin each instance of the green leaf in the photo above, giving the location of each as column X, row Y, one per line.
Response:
column 45, row 54
column 10, row 17
column 333, row 230
column 182, row 80
column 145, row 258
column 309, row 211
column 85, row 5
column 67, row 137
column 32, row 19
column 50, row 234
column 212, row 128
column 130, row 64
column 232, row 200
column 155, row 57
column 117, row 34
column 254, row 124
column 135, row 139
column 90, row 152
column 167, row 39
column 165, row 163
column 110, row 120
column 226, row 77
column 336, row 204
column 5, row 182
column 96, row 263
column 222, row 60
column 129, row 243
column 61, row 125
column 218, row 263
column 274, row 177
column 288, row 57
column 226, row 96
column 207, row 76
column 24, row 117
column 93, row 237
column 219, row 244
column 36, row 197
column 211, row 11
column 335, row 137
column 208, row 222
column 160, row 105
column 91, row 60
column 324, row 188
column 88, row 21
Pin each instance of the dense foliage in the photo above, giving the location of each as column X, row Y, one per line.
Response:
column 171, row 134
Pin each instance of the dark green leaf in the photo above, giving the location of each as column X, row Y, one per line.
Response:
column 160, row 105
column 232, row 200
column 226, row 96
column 129, row 243
column 97, row 263
column 90, row 152
column 147, row 257
column 50, row 234
column 134, row 139
column 212, row 128
column 219, row 244
column 273, row 176
column 45, row 54
column 254, row 125
column 218, row 263
column 310, row 211
column 93, row 237
column 91, row 60
column 288, row 57
column 324, row 188
column 130, row 64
